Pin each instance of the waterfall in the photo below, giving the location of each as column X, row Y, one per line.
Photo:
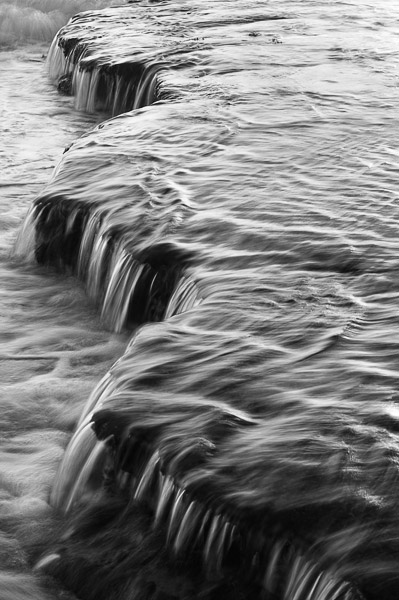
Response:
column 182, row 443
column 101, row 83
column 164, row 481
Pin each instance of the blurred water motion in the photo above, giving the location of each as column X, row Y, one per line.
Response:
column 33, row 20
column 239, row 214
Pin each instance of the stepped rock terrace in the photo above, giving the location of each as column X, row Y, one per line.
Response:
column 249, row 426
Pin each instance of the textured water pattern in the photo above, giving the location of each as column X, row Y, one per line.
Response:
column 248, row 207
column 52, row 346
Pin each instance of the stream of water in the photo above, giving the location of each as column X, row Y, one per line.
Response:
column 205, row 290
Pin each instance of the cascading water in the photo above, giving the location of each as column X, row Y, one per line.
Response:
column 239, row 214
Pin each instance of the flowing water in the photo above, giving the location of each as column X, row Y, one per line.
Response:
column 205, row 290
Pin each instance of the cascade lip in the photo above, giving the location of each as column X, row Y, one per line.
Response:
column 142, row 470
column 195, row 525
column 142, row 280
column 129, row 79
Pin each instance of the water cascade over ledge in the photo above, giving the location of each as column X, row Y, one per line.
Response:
column 246, row 442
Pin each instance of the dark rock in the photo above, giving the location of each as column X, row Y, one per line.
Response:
column 64, row 85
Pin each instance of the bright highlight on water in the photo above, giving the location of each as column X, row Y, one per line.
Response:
column 199, row 356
